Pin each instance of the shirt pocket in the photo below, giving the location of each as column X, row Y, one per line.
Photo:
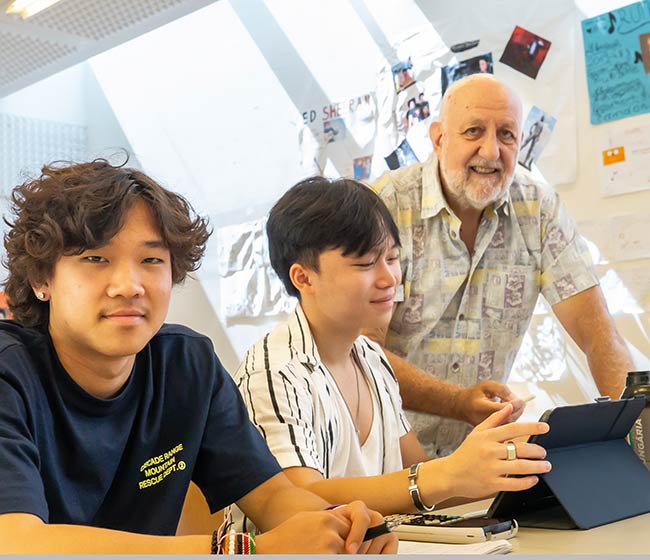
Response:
column 510, row 293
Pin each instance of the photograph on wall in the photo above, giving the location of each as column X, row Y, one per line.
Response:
column 417, row 110
column 403, row 74
column 480, row 64
column 644, row 43
column 361, row 167
column 4, row 307
column 537, row 132
column 401, row 157
column 334, row 130
column 525, row 52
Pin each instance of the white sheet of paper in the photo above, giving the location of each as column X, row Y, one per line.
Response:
column 623, row 161
column 619, row 238
column 439, row 549
column 248, row 285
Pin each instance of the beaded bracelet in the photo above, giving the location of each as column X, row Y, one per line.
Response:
column 233, row 543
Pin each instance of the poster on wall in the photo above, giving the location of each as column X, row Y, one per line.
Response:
column 338, row 137
column 616, row 71
column 537, row 132
column 481, row 64
column 623, row 160
column 525, row 52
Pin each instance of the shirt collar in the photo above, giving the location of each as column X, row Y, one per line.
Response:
column 302, row 341
column 433, row 198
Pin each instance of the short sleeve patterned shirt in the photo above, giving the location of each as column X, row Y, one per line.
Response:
column 464, row 316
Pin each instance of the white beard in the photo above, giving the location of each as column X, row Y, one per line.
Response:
column 472, row 192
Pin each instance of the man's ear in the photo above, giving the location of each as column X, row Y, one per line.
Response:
column 435, row 133
column 41, row 291
column 301, row 278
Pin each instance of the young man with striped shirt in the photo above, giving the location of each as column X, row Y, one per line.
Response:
column 325, row 398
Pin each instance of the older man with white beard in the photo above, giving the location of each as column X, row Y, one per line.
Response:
column 479, row 243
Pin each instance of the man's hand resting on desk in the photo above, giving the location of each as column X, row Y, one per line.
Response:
column 339, row 531
column 481, row 466
column 474, row 404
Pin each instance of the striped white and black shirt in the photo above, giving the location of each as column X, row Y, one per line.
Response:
column 295, row 404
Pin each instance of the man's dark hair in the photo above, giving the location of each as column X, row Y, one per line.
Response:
column 319, row 214
column 73, row 207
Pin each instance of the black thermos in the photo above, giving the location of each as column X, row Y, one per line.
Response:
column 638, row 383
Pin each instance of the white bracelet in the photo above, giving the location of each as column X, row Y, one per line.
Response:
column 414, row 491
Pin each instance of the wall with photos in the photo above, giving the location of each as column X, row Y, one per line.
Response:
column 234, row 103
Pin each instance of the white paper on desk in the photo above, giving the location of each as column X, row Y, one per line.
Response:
column 489, row 547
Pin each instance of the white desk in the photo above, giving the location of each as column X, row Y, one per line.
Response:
column 629, row 536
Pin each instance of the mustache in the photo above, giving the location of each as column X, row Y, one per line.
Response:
column 482, row 162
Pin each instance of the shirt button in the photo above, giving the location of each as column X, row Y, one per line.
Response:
column 453, row 234
column 461, row 317
column 455, row 367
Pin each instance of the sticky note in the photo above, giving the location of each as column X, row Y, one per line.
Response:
column 613, row 155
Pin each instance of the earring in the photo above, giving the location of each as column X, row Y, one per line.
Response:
column 40, row 295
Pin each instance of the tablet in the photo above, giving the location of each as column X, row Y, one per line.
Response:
column 596, row 477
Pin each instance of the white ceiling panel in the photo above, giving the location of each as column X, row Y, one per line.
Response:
column 72, row 31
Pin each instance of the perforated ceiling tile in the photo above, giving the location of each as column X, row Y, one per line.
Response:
column 21, row 55
column 97, row 19
column 29, row 143
column 71, row 31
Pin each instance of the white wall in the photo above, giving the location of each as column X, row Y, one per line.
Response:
column 211, row 103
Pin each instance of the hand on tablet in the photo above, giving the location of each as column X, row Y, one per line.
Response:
column 482, row 465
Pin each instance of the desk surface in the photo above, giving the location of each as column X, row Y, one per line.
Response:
column 629, row 536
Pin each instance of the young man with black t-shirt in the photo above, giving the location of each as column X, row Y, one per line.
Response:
column 106, row 414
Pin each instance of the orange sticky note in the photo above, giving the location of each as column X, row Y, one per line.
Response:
column 613, row 155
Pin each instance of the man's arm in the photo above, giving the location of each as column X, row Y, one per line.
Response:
column 587, row 320
column 311, row 532
column 424, row 393
column 22, row 533
column 273, row 502
column 441, row 479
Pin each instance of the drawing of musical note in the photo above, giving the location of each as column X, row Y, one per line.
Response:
column 612, row 21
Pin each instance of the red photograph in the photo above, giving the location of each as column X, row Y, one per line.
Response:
column 525, row 51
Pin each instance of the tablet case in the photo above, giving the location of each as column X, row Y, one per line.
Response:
column 596, row 477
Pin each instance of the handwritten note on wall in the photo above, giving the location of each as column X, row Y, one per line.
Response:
column 618, row 84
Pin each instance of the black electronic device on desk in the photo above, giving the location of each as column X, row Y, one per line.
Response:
column 450, row 529
column 596, row 476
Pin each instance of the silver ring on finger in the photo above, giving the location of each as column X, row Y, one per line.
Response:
column 511, row 451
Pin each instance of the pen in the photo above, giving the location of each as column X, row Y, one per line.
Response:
column 379, row 530
column 528, row 398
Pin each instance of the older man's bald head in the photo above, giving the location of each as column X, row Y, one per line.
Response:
column 471, row 87
column 477, row 141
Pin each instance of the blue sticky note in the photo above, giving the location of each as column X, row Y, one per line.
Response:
column 618, row 85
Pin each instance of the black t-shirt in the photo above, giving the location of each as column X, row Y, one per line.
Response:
column 126, row 462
